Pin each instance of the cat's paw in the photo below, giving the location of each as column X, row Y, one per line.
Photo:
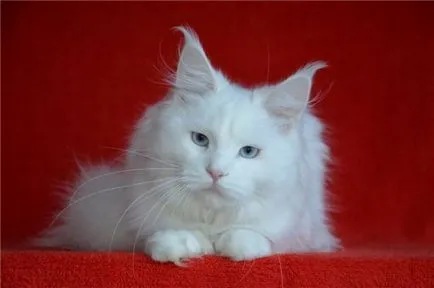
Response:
column 243, row 245
column 177, row 245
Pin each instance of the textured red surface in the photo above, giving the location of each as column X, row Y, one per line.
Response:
column 75, row 77
column 349, row 269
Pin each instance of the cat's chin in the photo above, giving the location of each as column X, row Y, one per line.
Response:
column 217, row 200
column 215, row 194
column 219, row 192
column 215, row 189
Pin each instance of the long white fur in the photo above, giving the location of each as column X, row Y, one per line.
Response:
column 158, row 200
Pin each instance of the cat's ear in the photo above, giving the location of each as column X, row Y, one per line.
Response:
column 194, row 73
column 289, row 98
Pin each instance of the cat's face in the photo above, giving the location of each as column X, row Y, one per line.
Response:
column 227, row 142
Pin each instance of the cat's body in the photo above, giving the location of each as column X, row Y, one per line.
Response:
column 212, row 169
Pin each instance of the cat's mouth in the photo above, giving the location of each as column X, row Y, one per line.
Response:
column 215, row 188
column 219, row 190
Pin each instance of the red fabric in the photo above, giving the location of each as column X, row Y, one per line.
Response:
column 349, row 269
column 75, row 77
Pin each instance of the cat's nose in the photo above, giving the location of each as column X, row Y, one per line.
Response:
column 215, row 174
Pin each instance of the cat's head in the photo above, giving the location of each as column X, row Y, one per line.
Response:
column 226, row 141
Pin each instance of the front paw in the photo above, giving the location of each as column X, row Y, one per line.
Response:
column 243, row 245
column 177, row 245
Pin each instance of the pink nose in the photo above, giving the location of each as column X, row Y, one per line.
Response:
column 215, row 174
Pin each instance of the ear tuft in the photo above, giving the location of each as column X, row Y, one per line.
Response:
column 310, row 69
column 190, row 37
column 194, row 74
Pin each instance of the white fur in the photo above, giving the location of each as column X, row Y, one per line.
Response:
column 161, row 199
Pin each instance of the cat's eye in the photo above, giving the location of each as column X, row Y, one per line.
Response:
column 249, row 152
column 199, row 139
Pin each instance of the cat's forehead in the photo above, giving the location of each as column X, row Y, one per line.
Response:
column 234, row 114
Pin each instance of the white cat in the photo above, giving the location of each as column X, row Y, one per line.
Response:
column 213, row 168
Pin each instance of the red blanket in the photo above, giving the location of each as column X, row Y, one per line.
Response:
column 357, row 268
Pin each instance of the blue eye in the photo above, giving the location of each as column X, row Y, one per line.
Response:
column 249, row 152
column 199, row 139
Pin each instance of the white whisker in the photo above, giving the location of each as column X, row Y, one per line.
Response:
column 147, row 156
column 175, row 193
column 248, row 271
column 109, row 174
column 281, row 270
column 268, row 62
column 100, row 192
column 144, row 220
column 182, row 198
column 148, row 194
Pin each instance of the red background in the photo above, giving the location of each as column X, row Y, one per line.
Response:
column 75, row 77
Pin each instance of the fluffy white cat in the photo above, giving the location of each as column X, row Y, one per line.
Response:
column 213, row 168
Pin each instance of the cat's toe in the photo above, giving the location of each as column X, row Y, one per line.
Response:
column 243, row 245
column 174, row 246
